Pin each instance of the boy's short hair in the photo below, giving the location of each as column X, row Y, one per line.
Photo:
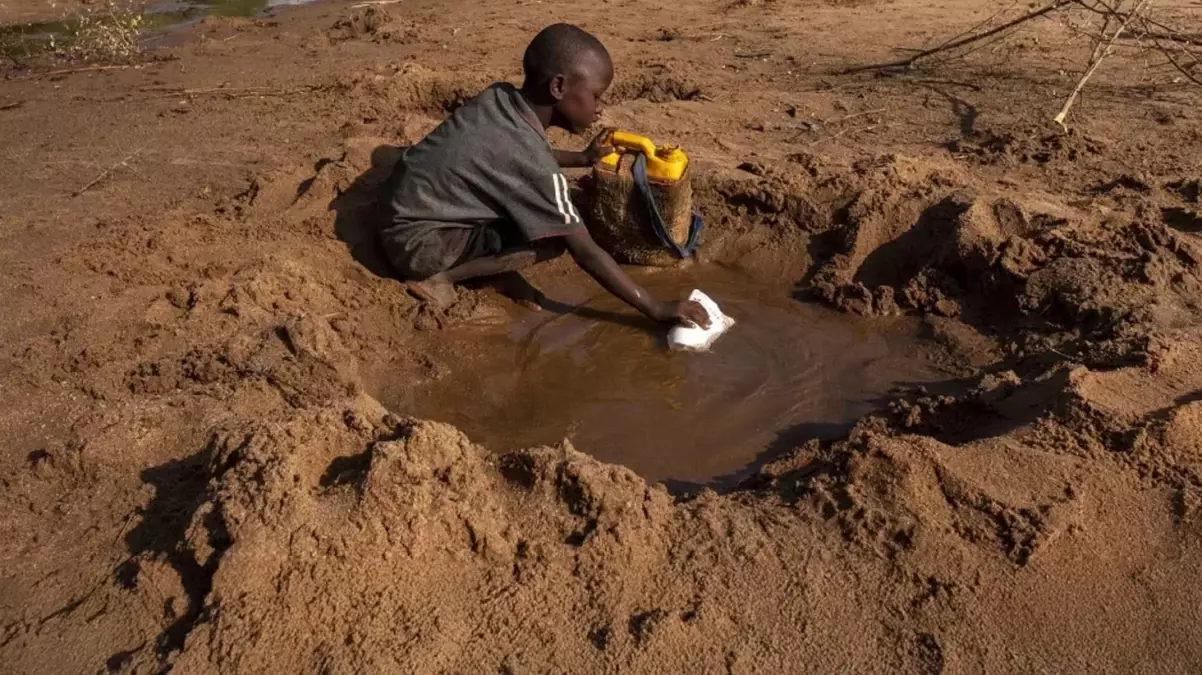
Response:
column 556, row 50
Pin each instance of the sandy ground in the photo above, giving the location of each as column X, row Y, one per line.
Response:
column 196, row 474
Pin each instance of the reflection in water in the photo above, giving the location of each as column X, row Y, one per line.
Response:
column 620, row 395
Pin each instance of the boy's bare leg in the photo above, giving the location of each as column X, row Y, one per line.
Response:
column 439, row 290
column 515, row 287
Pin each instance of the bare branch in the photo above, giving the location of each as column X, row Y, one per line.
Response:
column 907, row 62
column 1101, row 51
column 1192, row 40
column 993, row 17
column 1184, row 70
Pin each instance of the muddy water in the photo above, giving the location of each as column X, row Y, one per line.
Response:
column 603, row 378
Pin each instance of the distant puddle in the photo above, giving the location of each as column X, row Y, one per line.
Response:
column 224, row 7
column 786, row 372
column 34, row 37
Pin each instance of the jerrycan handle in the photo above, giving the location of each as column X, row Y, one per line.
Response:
column 629, row 141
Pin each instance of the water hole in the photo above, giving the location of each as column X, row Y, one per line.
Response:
column 603, row 378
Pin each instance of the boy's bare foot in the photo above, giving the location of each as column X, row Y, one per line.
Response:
column 527, row 296
column 436, row 291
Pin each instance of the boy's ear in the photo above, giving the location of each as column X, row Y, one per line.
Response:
column 558, row 87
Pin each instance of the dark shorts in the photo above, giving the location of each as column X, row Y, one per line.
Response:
column 421, row 250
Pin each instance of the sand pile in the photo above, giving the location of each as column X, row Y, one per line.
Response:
column 326, row 533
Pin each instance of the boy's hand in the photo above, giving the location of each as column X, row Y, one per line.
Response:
column 599, row 147
column 683, row 311
column 601, row 266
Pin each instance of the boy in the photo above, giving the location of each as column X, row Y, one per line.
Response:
column 483, row 194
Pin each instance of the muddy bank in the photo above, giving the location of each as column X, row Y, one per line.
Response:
column 199, row 472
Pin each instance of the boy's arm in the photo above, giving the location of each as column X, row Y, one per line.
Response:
column 598, row 148
column 571, row 159
column 601, row 266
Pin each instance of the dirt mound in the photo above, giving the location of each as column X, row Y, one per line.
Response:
column 1028, row 146
column 304, row 528
column 900, row 234
column 357, row 500
column 375, row 24
column 379, row 94
column 924, row 242
column 656, row 86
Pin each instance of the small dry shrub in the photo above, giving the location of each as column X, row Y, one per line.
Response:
column 107, row 31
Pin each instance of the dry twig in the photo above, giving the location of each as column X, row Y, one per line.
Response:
column 1186, row 71
column 859, row 114
column 104, row 174
column 229, row 92
column 82, row 69
column 1150, row 28
column 980, row 26
column 1100, row 52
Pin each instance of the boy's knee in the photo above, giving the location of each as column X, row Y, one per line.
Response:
column 549, row 249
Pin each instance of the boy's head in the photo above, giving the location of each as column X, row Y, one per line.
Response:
column 569, row 70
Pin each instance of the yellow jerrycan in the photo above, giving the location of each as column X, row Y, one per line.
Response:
column 641, row 202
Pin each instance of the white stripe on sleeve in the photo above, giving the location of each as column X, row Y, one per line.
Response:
column 559, row 197
column 572, row 207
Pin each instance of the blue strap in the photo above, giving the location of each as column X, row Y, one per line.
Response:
column 657, row 221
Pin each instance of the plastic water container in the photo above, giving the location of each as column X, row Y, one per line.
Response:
column 618, row 217
column 687, row 337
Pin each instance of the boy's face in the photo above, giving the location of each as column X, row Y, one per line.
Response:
column 579, row 94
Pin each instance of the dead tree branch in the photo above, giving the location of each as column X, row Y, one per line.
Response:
column 1186, row 71
column 907, row 62
column 1100, row 52
column 1111, row 25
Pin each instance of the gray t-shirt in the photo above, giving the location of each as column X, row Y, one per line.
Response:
column 488, row 162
